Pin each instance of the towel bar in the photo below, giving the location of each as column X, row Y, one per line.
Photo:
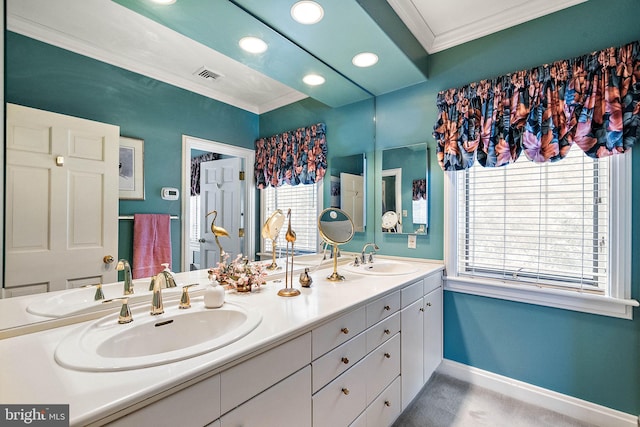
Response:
column 126, row 217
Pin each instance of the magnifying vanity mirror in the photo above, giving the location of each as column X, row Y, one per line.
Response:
column 271, row 230
column 405, row 189
column 335, row 227
column 348, row 185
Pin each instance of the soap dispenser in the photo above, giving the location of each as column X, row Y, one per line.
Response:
column 214, row 294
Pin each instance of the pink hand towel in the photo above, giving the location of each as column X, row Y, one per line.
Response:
column 151, row 244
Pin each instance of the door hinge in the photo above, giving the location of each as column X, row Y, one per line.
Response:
column 240, row 232
column 241, row 175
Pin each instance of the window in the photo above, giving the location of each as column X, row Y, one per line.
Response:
column 555, row 234
column 303, row 202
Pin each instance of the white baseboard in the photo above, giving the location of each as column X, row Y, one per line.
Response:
column 576, row 408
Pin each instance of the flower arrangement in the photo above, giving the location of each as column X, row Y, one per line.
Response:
column 240, row 274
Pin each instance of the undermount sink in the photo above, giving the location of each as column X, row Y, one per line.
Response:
column 81, row 300
column 105, row 345
column 381, row 268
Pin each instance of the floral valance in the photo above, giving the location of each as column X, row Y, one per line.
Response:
column 294, row 157
column 195, row 170
column 592, row 101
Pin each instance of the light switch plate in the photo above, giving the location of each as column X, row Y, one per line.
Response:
column 412, row 243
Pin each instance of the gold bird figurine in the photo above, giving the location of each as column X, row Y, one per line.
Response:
column 217, row 231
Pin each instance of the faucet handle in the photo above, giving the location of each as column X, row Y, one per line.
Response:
column 99, row 295
column 356, row 261
column 185, row 300
column 125, row 313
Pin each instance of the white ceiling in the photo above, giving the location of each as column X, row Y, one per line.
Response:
column 106, row 31
column 441, row 24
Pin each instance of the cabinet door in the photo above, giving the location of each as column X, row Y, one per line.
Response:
column 411, row 344
column 286, row 403
column 432, row 332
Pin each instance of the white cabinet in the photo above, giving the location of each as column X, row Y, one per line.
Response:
column 412, row 348
column 287, row 403
column 421, row 341
column 196, row 405
column 432, row 332
column 353, row 375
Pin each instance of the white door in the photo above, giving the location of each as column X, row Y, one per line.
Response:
column 61, row 201
column 352, row 198
column 221, row 189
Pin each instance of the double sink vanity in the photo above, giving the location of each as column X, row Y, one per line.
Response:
column 349, row 352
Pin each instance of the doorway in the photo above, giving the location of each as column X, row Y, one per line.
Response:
column 189, row 234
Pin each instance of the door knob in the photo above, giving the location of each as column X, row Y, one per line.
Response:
column 108, row 259
column 202, row 240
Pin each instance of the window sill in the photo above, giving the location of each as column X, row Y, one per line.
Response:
column 557, row 298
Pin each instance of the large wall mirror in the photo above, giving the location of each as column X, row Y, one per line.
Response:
column 348, row 184
column 405, row 189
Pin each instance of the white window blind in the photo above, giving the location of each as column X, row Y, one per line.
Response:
column 194, row 214
column 540, row 223
column 303, row 202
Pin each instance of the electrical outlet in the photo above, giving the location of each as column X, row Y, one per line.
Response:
column 412, row 243
column 405, row 213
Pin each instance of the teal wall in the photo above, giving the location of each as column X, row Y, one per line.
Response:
column 41, row 76
column 591, row 357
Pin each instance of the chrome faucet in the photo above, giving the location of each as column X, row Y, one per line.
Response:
column 364, row 249
column 124, row 266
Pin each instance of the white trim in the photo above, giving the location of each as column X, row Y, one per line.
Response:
column 550, row 297
column 579, row 409
column 189, row 143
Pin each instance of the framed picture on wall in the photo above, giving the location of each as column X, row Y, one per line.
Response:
column 131, row 169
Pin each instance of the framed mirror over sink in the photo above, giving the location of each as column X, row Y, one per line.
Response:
column 405, row 189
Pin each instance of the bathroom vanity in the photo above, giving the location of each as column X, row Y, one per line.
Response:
column 352, row 352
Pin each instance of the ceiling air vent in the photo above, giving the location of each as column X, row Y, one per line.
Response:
column 207, row 74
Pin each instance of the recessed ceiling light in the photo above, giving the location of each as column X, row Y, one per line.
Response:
column 253, row 44
column 365, row 59
column 164, row 1
column 307, row 12
column 313, row 79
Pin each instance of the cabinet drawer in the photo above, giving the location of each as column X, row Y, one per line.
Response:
column 379, row 333
column 342, row 400
column 286, row 403
column 411, row 293
column 249, row 378
column 382, row 308
column 332, row 334
column 386, row 408
column 338, row 360
column 432, row 282
column 383, row 365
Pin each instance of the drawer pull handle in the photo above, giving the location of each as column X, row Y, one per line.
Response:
column 387, row 355
column 386, row 331
column 387, row 403
column 344, row 330
column 422, row 309
column 428, row 304
column 345, row 391
column 386, row 307
column 345, row 360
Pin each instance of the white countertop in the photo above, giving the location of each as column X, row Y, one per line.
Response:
column 30, row 375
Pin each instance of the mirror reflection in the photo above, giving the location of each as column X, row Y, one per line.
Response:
column 405, row 190
column 336, row 228
column 271, row 230
column 347, row 187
